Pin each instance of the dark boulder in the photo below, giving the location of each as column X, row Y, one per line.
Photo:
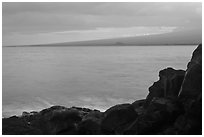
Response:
column 25, row 114
column 191, row 96
column 117, row 118
column 167, row 86
column 56, row 120
column 160, row 113
column 138, row 106
column 192, row 84
column 90, row 124
column 172, row 80
column 18, row 126
column 82, row 109
column 75, row 120
column 64, row 122
column 95, row 114
column 169, row 107
column 190, row 123
column 49, row 111
column 138, row 103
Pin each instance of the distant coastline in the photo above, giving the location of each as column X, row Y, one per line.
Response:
column 178, row 38
column 117, row 45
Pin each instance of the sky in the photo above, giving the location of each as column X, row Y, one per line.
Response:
column 43, row 22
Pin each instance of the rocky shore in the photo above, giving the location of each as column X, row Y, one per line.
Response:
column 172, row 107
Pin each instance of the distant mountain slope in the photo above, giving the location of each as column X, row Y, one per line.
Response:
column 180, row 37
column 189, row 37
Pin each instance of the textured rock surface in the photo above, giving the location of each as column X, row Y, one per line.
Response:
column 192, row 84
column 191, row 95
column 117, row 118
column 161, row 112
column 172, row 107
column 54, row 120
column 90, row 124
column 168, row 85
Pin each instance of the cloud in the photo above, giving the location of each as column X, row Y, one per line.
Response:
column 97, row 8
column 34, row 18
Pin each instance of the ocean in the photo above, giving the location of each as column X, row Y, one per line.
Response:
column 34, row 78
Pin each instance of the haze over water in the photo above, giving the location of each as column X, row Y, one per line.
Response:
column 94, row 77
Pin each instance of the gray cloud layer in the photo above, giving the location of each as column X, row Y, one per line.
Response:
column 33, row 18
column 70, row 16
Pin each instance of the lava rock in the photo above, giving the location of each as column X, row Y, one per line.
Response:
column 190, row 123
column 90, row 124
column 138, row 103
column 65, row 121
column 168, row 86
column 191, row 96
column 17, row 126
column 95, row 114
column 160, row 113
column 117, row 118
column 192, row 84
column 138, row 106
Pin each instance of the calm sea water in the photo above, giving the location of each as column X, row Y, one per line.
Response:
column 95, row 77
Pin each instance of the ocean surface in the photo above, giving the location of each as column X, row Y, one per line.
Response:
column 34, row 78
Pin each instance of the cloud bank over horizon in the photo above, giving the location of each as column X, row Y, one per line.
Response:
column 40, row 23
